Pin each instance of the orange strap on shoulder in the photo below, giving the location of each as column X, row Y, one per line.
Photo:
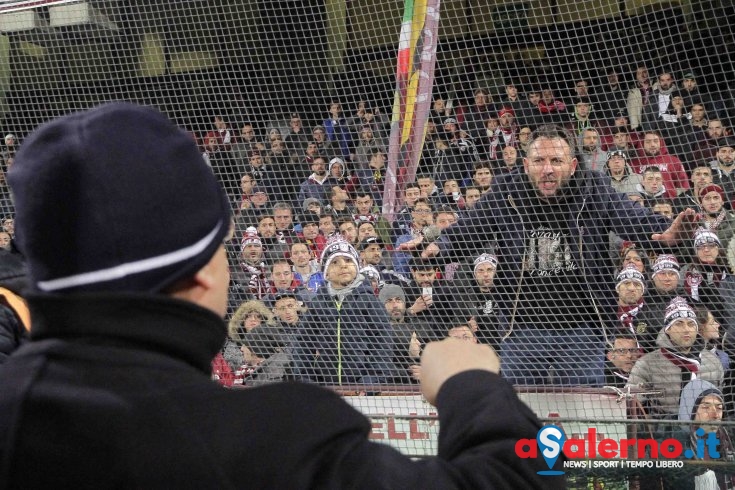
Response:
column 18, row 305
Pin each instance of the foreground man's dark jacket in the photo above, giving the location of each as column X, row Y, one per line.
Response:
column 115, row 392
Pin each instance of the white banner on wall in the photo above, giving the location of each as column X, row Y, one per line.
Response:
column 398, row 420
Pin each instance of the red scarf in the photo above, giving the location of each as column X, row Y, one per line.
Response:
column 691, row 365
column 626, row 314
column 501, row 138
column 699, row 273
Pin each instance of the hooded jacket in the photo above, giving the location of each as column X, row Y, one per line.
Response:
column 591, row 208
column 656, row 371
column 626, row 184
column 698, row 476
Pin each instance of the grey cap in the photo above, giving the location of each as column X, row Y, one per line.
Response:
column 391, row 291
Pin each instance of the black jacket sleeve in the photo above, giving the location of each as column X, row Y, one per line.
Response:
column 481, row 419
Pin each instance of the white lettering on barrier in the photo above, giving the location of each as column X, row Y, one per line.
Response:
column 394, row 421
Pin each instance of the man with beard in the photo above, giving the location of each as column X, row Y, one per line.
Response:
column 317, row 185
column 723, row 166
column 715, row 217
column 482, row 176
column 705, row 150
column 552, row 222
column 592, row 157
column 665, row 113
column 410, row 331
column 273, row 246
column 621, row 357
column 674, row 176
column 420, row 290
column 371, row 254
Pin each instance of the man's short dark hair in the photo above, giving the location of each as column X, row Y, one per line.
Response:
column 663, row 202
column 622, row 336
column 653, row 169
column 423, row 200
column 482, row 164
column 266, row 213
column 364, row 222
column 471, row 187
column 620, row 130
column 279, row 261
column 424, row 176
column 362, row 192
column 554, row 131
column 343, row 220
column 445, row 209
column 413, row 185
column 420, row 263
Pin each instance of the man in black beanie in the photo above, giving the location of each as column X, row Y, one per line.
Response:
column 114, row 389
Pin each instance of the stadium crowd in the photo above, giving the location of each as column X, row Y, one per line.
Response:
column 324, row 288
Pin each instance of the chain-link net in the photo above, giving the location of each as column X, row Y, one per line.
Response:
column 500, row 172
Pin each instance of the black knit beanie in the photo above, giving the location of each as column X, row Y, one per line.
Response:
column 116, row 198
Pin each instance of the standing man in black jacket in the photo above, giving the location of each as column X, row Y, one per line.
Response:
column 114, row 389
column 552, row 222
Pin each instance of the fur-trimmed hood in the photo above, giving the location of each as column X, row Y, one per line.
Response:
column 238, row 318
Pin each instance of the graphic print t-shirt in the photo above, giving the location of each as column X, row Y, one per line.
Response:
column 554, row 294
